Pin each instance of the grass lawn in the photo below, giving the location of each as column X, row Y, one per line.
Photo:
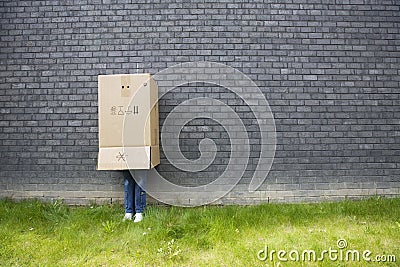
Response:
column 33, row 233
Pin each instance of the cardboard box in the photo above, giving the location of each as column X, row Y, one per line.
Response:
column 128, row 122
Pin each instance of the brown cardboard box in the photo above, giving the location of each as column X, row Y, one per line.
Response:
column 128, row 122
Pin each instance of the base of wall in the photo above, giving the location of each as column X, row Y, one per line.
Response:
column 233, row 198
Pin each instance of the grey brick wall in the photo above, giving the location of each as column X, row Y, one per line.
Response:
column 329, row 70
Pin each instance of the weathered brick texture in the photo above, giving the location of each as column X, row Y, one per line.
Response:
column 329, row 70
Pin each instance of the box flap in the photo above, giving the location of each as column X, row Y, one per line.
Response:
column 155, row 156
column 119, row 158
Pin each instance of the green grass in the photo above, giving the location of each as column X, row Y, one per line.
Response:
column 34, row 233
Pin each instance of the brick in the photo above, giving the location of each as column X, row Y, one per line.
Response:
column 331, row 85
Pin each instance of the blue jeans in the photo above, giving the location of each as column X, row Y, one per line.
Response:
column 135, row 196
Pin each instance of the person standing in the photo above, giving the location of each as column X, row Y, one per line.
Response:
column 135, row 194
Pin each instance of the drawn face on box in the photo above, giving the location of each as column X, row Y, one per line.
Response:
column 126, row 86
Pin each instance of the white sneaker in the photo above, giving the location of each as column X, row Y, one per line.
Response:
column 128, row 217
column 138, row 217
